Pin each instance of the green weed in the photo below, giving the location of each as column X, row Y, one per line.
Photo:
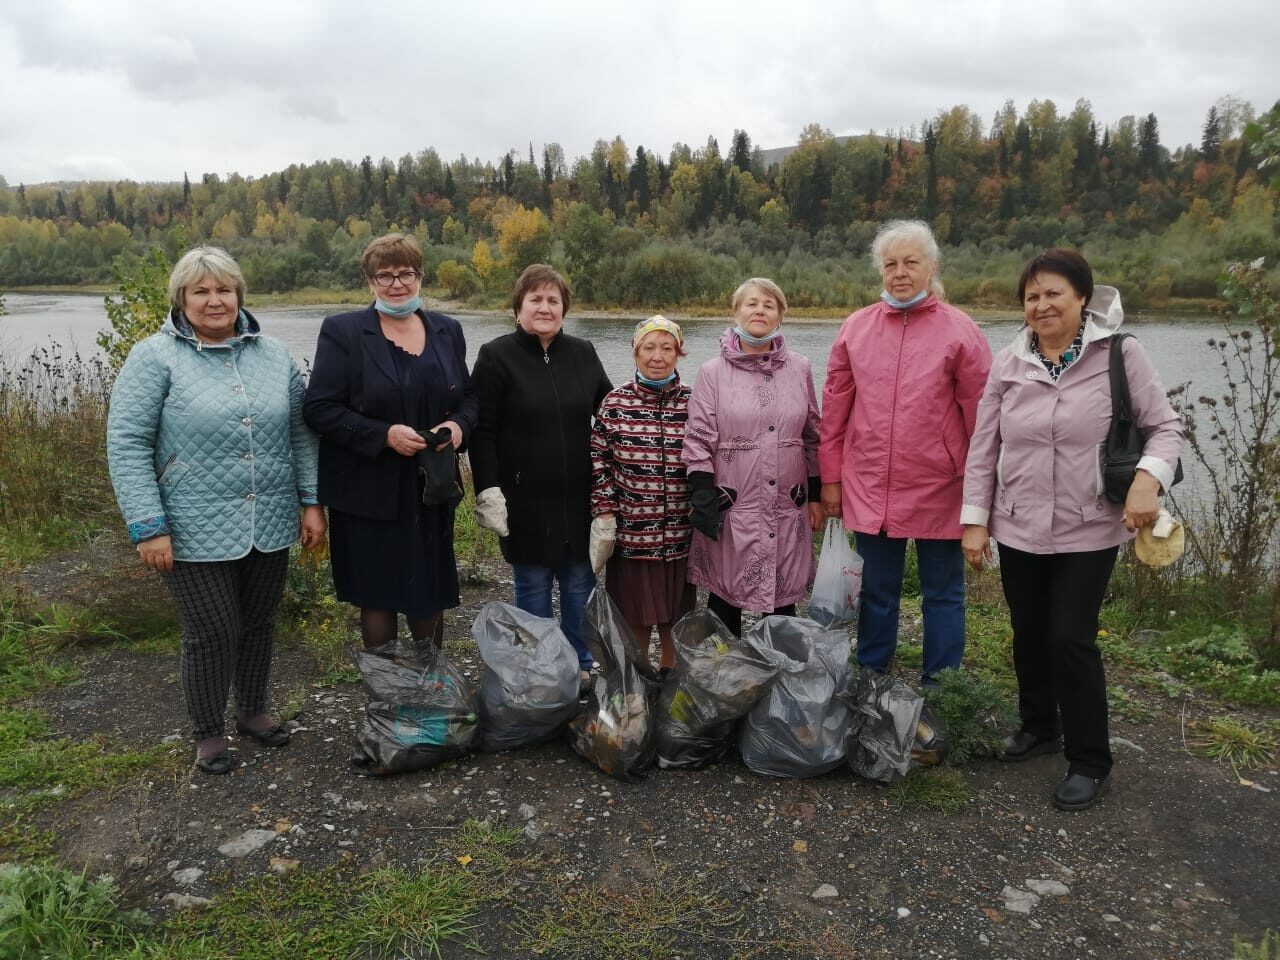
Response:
column 46, row 911
column 937, row 789
column 1233, row 741
column 975, row 713
column 1268, row 948
column 1125, row 706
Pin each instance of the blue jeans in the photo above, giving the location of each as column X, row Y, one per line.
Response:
column 941, row 567
column 533, row 595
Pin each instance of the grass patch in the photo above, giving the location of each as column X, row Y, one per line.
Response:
column 1233, row 741
column 49, row 912
column 938, row 789
column 332, row 913
column 639, row 919
column 37, row 769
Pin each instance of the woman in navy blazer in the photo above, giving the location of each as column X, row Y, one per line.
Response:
column 383, row 377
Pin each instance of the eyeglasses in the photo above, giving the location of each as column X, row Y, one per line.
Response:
column 407, row 278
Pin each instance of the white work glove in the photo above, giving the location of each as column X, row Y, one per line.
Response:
column 491, row 510
column 604, row 532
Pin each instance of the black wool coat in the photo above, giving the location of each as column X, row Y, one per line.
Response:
column 533, row 440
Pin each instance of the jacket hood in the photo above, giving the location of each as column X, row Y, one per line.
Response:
column 1103, row 317
column 179, row 327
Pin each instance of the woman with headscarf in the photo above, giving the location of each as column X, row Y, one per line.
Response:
column 640, row 494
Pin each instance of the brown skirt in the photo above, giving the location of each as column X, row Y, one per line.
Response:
column 650, row 592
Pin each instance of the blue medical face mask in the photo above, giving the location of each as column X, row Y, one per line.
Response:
column 656, row 384
column 888, row 298
column 756, row 341
column 398, row 309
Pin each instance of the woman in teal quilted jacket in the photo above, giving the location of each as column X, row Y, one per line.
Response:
column 215, row 473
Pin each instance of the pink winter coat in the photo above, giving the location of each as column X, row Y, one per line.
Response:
column 753, row 423
column 1034, row 477
column 898, row 409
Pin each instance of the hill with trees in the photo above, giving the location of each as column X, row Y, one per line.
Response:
column 635, row 228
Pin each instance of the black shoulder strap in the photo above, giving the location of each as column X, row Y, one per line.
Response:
column 1120, row 405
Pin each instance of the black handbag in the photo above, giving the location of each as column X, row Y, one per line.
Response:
column 1125, row 441
column 438, row 471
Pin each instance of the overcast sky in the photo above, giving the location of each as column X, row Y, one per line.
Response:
column 148, row 90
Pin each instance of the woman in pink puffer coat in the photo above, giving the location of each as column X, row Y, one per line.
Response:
column 898, row 408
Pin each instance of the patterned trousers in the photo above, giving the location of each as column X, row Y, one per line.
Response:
column 228, row 611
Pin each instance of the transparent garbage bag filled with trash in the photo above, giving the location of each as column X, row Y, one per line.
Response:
column 529, row 689
column 838, row 582
column 798, row 728
column 422, row 711
column 615, row 731
column 717, row 679
column 893, row 731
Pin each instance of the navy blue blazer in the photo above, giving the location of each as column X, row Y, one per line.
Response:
column 354, row 398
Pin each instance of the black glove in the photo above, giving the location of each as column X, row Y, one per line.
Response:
column 705, row 498
column 705, row 515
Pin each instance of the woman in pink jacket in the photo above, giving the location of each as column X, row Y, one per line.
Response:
column 751, row 448
column 1034, row 483
column 898, row 408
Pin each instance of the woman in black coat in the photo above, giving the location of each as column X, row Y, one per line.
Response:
column 383, row 378
column 531, row 455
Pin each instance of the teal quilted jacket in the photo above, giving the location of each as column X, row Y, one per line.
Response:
column 206, row 442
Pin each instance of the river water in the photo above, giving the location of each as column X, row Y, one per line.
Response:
column 1177, row 347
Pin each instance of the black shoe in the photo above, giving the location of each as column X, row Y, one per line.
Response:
column 1023, row 745
column 1079, row 792
column 217, row 764
column 277, row 736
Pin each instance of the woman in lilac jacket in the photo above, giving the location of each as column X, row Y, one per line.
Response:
column 1034, row 483
column 751, row 448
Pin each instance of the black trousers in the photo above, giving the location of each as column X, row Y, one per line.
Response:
column 1054, row 601
column 228, row 613
column 731, row 616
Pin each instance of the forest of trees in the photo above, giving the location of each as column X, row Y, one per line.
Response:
column 632, row 227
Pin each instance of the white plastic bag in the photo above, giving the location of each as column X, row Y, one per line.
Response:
column 834, row 602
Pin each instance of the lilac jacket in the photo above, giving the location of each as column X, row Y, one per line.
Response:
column 753, row 423
column 1034, row 476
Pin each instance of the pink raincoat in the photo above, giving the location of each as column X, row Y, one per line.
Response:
column 753, row 423
column 898, row 409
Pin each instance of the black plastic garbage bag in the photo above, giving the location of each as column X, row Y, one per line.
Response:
column 718, row 678
column 886, row 716
column 616, row 730
column 529, row 689
column 798, row 728
column 422, row 710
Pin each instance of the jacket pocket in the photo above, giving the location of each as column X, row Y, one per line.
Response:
column 172, row 473
column 1099, row 454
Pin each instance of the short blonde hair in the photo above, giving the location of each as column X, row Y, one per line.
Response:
column 763, row 284
column 200, row 262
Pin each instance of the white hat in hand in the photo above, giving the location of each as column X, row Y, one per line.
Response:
column 1161, row 542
